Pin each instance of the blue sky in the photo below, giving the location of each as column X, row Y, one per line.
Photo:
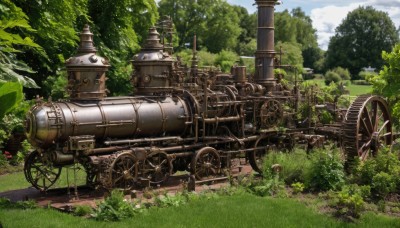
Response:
column 328, row 14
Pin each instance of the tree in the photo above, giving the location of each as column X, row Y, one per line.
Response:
column 55, row 25
column 296, row 27
column 119, row 28
column 215, row 22
column 360, row 39
column 291, row 54
column 387, row 82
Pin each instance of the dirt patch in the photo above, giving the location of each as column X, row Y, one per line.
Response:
column 67, row 198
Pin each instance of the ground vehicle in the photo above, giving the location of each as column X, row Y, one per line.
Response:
column 183, row 117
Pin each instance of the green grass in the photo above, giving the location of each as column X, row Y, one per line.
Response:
column 355, row 90
column 17, row 180
column 13, row 181
column 235, row 211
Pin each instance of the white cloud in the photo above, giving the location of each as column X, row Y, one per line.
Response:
column 327, row 18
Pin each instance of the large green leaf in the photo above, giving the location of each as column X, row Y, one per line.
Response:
column 10, row 96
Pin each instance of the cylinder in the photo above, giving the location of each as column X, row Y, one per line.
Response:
column 111, row 118
column 264, row 61
column 239, row 74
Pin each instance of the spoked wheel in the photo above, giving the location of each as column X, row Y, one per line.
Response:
column 271, row 113
column 123, row 170
column 40, row 174
column 157, row 168
column 367, row 127
column 206, row 164
column 256, row 157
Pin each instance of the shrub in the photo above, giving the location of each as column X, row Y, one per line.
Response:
column 349, row 202
column 364, row 75
column 343, row 73
column 115, row 208
column 327, row 171
column 383, row 184
column 387, row 165
column 331, row 76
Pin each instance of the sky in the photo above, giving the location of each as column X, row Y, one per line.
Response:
column 328, row 14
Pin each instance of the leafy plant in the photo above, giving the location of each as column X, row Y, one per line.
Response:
column 7, row 204
column 167, row 200
column 349, row 202
column 83, row 210
column 327, row 171
column 268, row 187
column 297, row 187
column 10, row 96
column 379, row 172
column 115, row 208
column 383, row 184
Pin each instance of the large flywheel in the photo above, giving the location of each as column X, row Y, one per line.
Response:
column 367, row 127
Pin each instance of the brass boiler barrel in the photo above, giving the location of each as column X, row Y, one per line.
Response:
column 120, row 117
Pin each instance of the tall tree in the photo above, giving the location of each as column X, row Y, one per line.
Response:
column 296, row 28
column 55, row 23
column 360, row 39
column 387, row 82
column 215, row 22
column 119, row 28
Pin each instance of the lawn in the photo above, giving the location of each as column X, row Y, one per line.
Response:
column 17, row 180
column 243, row 210
column 355, row 90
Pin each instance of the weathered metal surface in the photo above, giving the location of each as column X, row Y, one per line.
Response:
column 186, row 118
column 87, row 71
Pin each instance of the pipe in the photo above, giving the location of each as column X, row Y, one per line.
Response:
column 264, row 61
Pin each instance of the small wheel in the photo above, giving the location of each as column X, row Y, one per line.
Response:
column 157, row 168
column 206, row 163
column 256, row 157
column 123, row 171
column 40, row 174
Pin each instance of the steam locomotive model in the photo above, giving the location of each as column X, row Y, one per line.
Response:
column 184, row 118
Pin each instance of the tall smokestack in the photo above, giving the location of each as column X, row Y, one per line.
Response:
column 265, row 53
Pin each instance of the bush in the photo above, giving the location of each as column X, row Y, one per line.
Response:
column 364, row 75
column 326, row 171
column 115, row 208
column 383, row 184
column 383, row 168
column 343, row 73
column 331, row 76
column 349, row 201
